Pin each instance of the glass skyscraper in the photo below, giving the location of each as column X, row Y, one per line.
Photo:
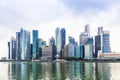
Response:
column 23, row 45
column 63, row 37
column 87, row 29
column 52, row 41
column 71, row 40
column 58, row 41
column 106, row 42
column 8, row 50
column 35, row 38
column 12, row 48
column 83, row 38
column 97, row 45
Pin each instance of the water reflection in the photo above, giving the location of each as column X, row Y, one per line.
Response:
column 60, row 71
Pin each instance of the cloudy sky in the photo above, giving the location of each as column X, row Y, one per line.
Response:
column 46, row 15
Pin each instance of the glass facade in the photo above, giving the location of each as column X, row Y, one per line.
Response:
column 71, row 40
column 8, row 50
column 97, row 45
column 52, row 41
column 12, row 48
column 23, row 45
column 58, row 41
column 106, row 42
column 83, row 38
column 35, row 38
column 63, row 37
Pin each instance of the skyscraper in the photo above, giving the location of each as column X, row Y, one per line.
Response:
column 83, row 38
column 100, row 30
column 23, row 45
column 97, row 45
column 106, row 42
column 35, row 38
column 52, row 41
column 63, row 37
column 87, row 29
column 71, row 40
column 58, row 41
column 8, row 50
column 12, row 48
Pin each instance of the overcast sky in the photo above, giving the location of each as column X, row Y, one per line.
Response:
column 46, row 15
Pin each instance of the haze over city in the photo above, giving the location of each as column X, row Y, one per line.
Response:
column 45, row 16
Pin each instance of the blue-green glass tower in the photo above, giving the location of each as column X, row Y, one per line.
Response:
column 35, row 38
column 58, row 41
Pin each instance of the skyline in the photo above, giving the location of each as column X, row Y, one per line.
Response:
column 45, row 16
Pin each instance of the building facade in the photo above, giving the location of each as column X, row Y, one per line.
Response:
column 13, row 48
column 88, row 52
column 63, row 37
column 23, row 45
column 106, row 42
column 58, row 41
column 83, row 38
column 97, row 45
column 35, row 38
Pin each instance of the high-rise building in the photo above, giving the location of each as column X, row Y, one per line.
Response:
column 52, row 41
column 100, row 30
column 18, row 50
column 71, row 40
column 58, row 41
column 8, row 50
column 71, row 50
column 35, row 38
column 87, row 29
column 23, row 45
column 79, row 51
column 12, row 48
column 83, row 38
column 63, row 37
column 97, row 45
column 88, row 51
column 106, row 42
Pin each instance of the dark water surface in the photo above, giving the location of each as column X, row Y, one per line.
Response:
column 59, row 71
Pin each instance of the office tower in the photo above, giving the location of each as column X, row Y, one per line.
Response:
column 88, row 51
column 65, row 51
column 71, row 40
column 52, row 41
column 77, row 49
column 47, row 53
column 63, row 37
column 18, row 50
column 83, row 38
column 106, row 42
column 8, row 50
column 87, row 29
column 71, row 50
column 100, row 30
column 23, row 45
column 97, row 45
column 12, row 48
column 58, row 41
column 90, row 40
column 31, row 50
column 35, row 38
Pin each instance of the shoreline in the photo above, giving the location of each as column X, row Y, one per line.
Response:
column 83, row 60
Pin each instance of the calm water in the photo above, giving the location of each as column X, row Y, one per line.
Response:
column 59, row 71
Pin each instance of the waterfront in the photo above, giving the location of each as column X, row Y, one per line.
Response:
column 59, row 71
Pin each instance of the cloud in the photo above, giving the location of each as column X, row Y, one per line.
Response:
column 81, row 6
